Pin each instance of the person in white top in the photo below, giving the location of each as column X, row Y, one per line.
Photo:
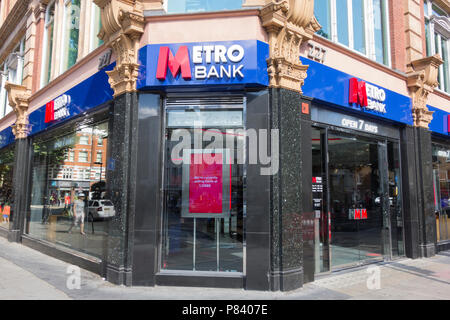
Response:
column 78, row 213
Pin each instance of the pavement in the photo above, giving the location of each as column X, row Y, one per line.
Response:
column 28, row 274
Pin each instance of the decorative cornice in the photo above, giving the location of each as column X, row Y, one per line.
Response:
column 122, row 27
column 19, row 98
column 421, row 81
column 441, row 25
column 288, row 24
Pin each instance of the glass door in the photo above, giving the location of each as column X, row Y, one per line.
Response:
column 355, row 200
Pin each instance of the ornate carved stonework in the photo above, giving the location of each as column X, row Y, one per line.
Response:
column 288, row 23
column 422, row 79
column 122, row 27
column 18, row 97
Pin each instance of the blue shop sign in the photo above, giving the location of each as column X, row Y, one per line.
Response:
column 218, row 64
column 6, row 137
column 338, row 88
column 439, row 124
column 88, row 94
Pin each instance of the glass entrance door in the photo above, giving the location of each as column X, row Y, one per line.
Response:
column 356, row 199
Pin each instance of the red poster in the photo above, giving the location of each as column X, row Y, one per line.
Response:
column 205, row 185
column 357, row 214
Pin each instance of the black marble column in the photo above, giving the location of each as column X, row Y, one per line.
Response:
column 148, row 195
column 21, row 188
column 121, row 187
column 417, row 184
column 427, row 218
column 287, row 190
column 258, row 199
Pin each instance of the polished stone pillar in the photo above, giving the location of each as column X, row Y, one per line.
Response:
column 121, row 177
column 21, row 188
column 287, row 193
column 418, row 201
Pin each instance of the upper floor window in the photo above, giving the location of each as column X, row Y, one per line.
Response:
column 71, row 33
column 186, row 6
column 11, row 71
column 48, row 43
column 361, row 25
column 437, row 31
column 65, row 40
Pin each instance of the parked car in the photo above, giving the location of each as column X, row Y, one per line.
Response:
column 101, row 209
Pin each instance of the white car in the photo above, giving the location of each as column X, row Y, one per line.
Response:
column 100, row 209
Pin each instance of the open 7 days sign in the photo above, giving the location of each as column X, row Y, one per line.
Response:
column 200, row 64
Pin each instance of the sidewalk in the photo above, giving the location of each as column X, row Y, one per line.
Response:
column 28, row 274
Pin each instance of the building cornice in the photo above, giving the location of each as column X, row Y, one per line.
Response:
column 13, row 19
column 339, row 48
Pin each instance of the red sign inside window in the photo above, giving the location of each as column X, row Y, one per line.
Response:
column 206, row 184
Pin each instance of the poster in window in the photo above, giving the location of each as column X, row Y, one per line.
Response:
column 206, row 183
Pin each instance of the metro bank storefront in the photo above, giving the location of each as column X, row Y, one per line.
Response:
column 212, row 178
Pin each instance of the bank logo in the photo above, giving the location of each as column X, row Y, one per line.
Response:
column 209, row 62
column 180, row 61
column 367, row 96
column 57, row 109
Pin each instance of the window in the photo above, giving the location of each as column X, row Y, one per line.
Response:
column 96, row 25
column 84, row 139
column 71, row 33
column 182, row 6
column 12, row 71
column 437, row 40
column 48, row 217
column 86, row 174
column 361, row 25
column 67, row 173
column 83, row 156
column 100, row 141
column 99, row 157
column 48, row 43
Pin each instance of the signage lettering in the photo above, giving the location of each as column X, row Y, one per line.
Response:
column 216, row 57
column 359, row 125
column 367, row 96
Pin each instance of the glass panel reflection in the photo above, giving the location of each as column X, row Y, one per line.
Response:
column 69, row 203
column 6, row 186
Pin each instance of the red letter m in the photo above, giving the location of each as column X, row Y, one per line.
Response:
column 180, row 61
column 358, row 93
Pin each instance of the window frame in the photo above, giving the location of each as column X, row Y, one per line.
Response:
column 369, row 29
column 47, row 22
column 434, row 36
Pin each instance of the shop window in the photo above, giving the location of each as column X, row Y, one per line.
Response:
column 62, row 209
column 441, row 187
column 186, row 6
column 203, row 220
column 6, row 186
column 437, row 40
column 357, row 24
